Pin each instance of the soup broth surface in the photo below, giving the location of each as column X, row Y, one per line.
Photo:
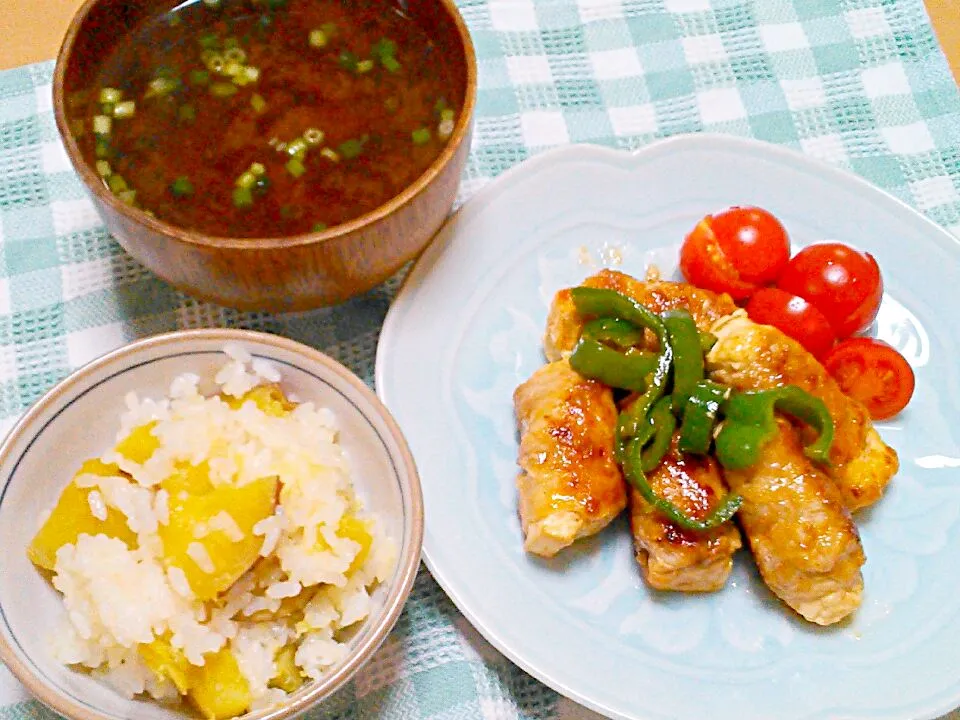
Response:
column 261, row 118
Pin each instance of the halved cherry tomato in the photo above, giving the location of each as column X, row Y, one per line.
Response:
column 735, row 251
column 873, row 373
column 845, row 284
column 793, row 316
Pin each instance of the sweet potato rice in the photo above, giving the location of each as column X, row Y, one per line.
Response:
column 217, row 552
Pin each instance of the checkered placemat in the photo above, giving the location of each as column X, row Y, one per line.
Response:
column 859, row 83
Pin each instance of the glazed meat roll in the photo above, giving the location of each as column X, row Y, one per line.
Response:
column 670, row 557
column 569, row 485
column 749, row 356
column 803, row 539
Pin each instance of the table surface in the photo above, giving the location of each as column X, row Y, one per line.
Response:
column 32, row 31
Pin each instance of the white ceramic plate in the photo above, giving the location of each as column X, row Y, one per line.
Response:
column 466, row 330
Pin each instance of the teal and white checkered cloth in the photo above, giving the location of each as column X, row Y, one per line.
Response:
column 859, row 83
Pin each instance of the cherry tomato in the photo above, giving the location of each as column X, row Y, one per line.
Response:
column 735, row 251
column 873, row 373
column 793, row 316
column 845, row 284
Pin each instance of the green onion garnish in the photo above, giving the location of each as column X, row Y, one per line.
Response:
column 420, row 136
column 187, row 113
column 364, row 66
column 222, row 89
column 161, row 86
column 102, row 147
column 103, row 168
column 107, row 109
column 390, row 64
column 124, row 109
column 440, row 105
column 232, row 68
column 350, row 148
column 235, row 54
column 296, row 167
column 110, row 95
column 330, row 154
column 258, row 103
column 181, row 187
column 211, row 3
column 297, row 147
column 257, row 168
column 246, row 180
column 199, row 77
column 313, row 136
column 215, row 63
column 209, row 41
column 116, row 183
column 383, row 48
column 348, row 60
column 247, row 74
column 447, row 114
column 102, row 124
column 242, row 197
column 317, row 38
column 230, row 42
column 127, row 196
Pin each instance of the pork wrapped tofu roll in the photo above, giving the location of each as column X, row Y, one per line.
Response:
column 749, row 356
column 670, row 557
column 803, row 539
column 569, row 484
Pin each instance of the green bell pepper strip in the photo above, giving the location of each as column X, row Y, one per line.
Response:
column 600, row 302
column 749, row 423
column 687, row 355
column 663, row 423
column 700, row 417
column 720, row 514
column 613, row 331
column 596, row 361
column 707, row 341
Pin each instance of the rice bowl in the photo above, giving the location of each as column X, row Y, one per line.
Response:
column 166, row 609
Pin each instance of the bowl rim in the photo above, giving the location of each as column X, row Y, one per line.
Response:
column 413, row 517
column 95, row 186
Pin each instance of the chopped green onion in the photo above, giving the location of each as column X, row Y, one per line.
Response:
column 390, row 64
column 246, row 180
column 257, row 168
column 348, row 60
column 297, row 147
column 383, row 48
column 447, row 114
column 102, row 124
column 181, row 187
column 242, row 197
column 258, row 103
column 102, row 147
column 330, row 155
column 107, row 109
column 222, row 89
column 318, row 227
column 110, row 95
column 103, row 168
column 209, row 41
column 127, row 196
column 187, row 113
column 236, row 54
column 116, row 183
column 199, row 77
column 445, row 128
column 232, row 43
column 232, row 68
column 211, row 3
column 296, row 167
column 250, row 74
column 440, row 105
column 313, row 136
column 209, row 54
column 351, row 148
column 124, row 109
column 420, row 136
column 161, row 86
column 364, row 66
column 215, row 63
column 317, row 38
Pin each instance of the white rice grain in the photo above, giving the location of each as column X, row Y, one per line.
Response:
column 198, row 553
column 98, row 508
column 161, row 506
column 285, row 589
column 178, row 581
